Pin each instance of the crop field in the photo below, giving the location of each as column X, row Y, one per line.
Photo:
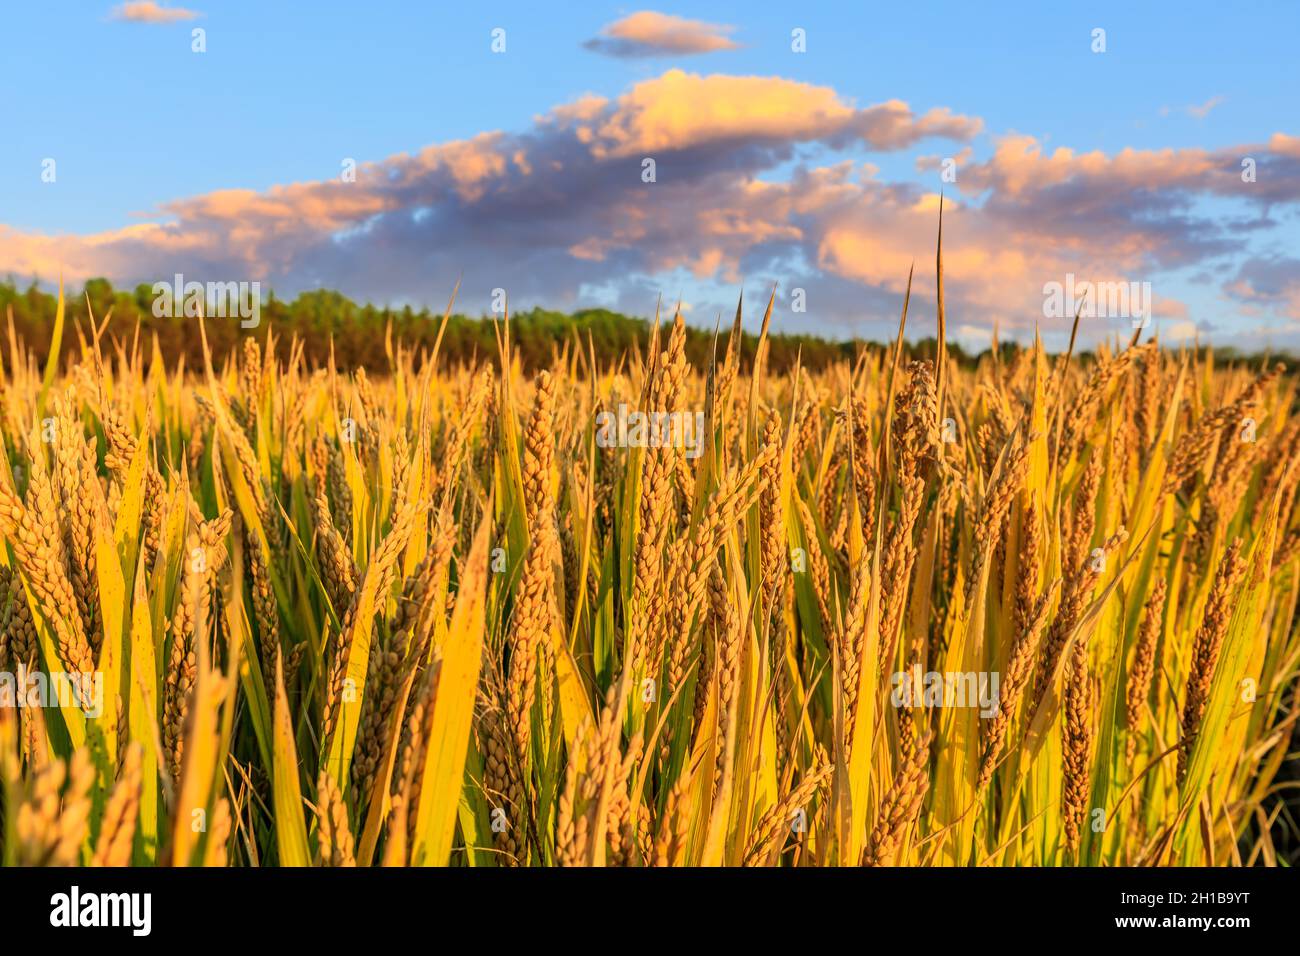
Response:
column 626, row 610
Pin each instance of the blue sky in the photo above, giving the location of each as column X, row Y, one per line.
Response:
column 134, row 119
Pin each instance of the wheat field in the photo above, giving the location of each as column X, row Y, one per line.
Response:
column 1039, row 610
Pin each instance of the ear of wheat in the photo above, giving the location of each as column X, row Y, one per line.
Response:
column 900, row 611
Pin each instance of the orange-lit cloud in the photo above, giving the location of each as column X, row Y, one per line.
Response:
column 680, row 110
column 754, row 177
column 146, row 11
column 648, row 33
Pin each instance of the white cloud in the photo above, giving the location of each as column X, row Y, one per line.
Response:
column 1203, row 110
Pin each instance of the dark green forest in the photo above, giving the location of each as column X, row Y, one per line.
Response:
column 357, row 333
